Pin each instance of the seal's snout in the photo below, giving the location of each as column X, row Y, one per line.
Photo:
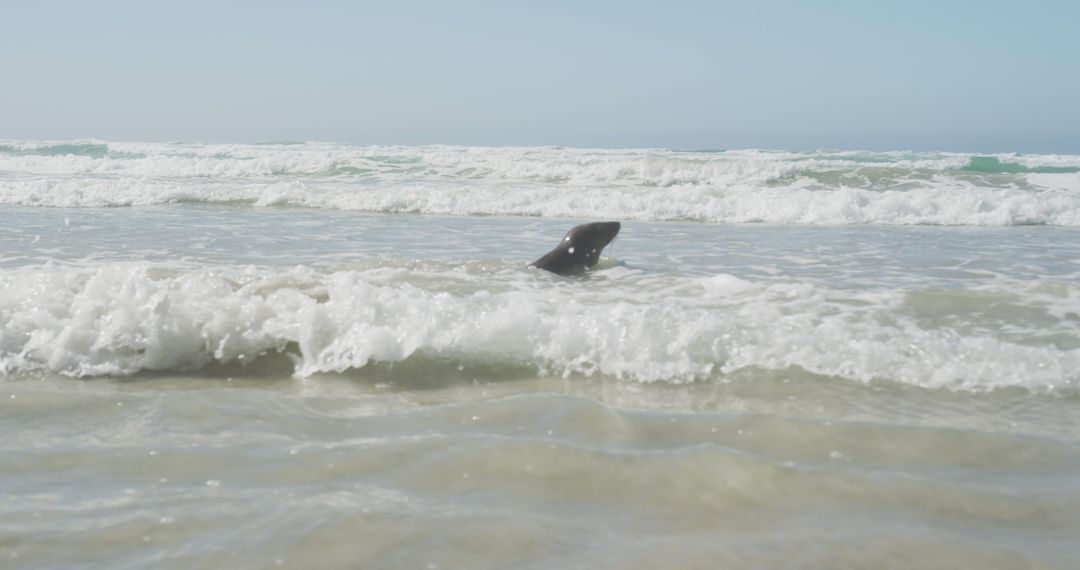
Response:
column 602, row 233
column 612, row 229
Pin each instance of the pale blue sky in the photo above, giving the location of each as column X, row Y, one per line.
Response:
column 963, row 75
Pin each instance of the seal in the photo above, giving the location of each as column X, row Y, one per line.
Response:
column 579, row 249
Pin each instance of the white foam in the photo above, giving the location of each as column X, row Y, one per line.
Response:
column 944, row 205
column 124, row 318
column 732, row 187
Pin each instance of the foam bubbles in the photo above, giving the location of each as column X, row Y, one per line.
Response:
column 732, row 187
column 123, row 318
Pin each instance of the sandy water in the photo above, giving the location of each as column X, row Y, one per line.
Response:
column 371, row 470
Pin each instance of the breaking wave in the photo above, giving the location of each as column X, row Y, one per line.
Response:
column 126, row 318
column 821, row 187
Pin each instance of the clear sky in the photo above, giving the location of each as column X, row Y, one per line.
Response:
column 978, row 75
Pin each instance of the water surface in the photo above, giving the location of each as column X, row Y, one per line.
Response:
column 324, row 356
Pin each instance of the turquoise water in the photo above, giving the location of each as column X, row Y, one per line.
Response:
column 990, row 164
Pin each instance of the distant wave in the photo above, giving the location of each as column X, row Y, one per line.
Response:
column 949, row 203
column 126, row 318
column 820, row 187
column 994, row 165
column 94, row 150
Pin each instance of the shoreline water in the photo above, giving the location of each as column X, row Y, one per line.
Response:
column 191, row 380
column 329, row 471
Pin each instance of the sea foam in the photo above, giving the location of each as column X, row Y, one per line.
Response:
column 125, row 318
column 815, row 188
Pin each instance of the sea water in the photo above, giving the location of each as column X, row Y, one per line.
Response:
column 324, row 356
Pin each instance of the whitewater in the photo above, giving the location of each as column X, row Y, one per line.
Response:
column 325, row 355
column 821, row 187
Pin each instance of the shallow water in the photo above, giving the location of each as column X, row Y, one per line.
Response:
column 211, row 384
column 387, row 469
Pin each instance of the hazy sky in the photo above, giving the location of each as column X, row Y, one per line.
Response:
column 977, row 75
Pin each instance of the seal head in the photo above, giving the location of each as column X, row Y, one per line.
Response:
column 579, row 249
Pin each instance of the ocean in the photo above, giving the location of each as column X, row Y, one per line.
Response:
column 319, row 355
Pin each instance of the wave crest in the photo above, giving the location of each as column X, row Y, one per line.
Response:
column 121, row 319
column 714, row 187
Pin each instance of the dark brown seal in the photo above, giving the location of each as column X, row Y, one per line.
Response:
column 579, row 249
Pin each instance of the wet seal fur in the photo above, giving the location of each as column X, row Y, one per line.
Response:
column 579, row 249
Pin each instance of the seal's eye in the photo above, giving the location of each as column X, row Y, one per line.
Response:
column 567, row 238
column 571, row 250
